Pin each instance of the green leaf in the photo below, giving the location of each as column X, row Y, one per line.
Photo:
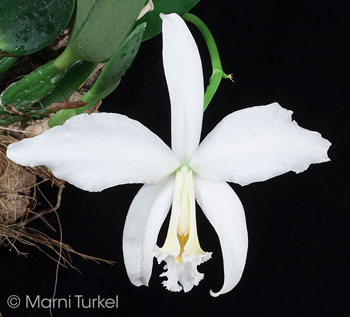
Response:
column 27, row 26
column 11, row 119
column 154, row 23
column 31, row 88
column 5, row 64
column 74, row 76
column 119, row 62
column 109, row 78
column 99, row 28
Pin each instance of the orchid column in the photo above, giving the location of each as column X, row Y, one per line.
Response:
column 103, row 150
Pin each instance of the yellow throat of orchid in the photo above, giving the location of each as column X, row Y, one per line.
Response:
column 182, row 236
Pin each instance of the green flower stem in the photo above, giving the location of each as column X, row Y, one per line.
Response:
column 218, row 72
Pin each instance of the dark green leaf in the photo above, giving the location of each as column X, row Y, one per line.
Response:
column 11, row 119
column 31, row 88
column 119, row 62
column 74, row 76
column 5, row 64
column 109, row 78
column 27, row 26
column 100, row 27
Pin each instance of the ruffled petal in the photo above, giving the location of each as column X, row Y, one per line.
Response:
column 181, row 250
column 182, row 275
column 225, row 212
column 256, row 144
column 97, row 151
column 184, row 76
column 146, row 215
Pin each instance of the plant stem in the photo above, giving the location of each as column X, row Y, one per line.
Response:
column 65, row 59
column 218, row 72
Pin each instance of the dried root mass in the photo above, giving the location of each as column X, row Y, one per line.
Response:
column 17, row 186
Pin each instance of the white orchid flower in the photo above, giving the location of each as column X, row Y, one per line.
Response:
column 98, row 151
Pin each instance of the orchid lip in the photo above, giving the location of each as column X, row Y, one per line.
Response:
column 181, row 250
column 182, row 226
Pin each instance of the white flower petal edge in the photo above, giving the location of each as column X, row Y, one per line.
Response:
column 142, row 225
column 97, row 151
column 256, row 144
column 225, row 212
column 184, row 76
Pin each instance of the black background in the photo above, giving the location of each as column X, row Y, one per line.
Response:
column 295, row 53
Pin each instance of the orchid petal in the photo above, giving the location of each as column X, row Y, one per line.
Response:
column 184, row 76
column 146, row 215
column 225, row 212
column 97, row 151
column 256, row 144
